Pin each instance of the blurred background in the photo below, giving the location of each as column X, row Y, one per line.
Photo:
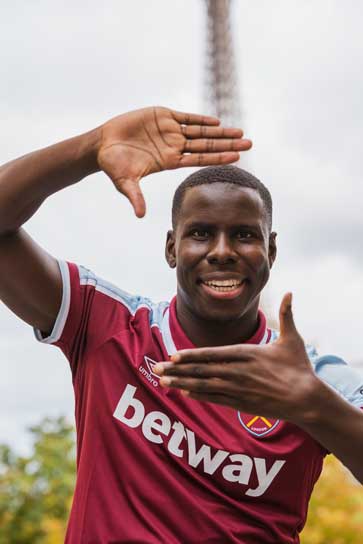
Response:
column 289, row 73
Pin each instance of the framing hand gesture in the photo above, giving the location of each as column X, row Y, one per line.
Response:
column 274, row 379
column 149, row 140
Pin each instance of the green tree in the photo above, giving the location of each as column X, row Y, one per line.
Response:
column 36, row 491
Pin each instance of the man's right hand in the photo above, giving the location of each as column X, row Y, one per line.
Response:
column 149, row 140
column 127, row 148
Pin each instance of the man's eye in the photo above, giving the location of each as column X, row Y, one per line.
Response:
column 244, row 235
column 199, row 233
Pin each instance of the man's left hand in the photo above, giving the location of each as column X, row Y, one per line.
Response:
column 275, row 380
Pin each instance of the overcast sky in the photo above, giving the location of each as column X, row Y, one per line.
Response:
column 67, row 67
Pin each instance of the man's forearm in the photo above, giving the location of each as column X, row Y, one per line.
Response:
column 127, row 148
column 335, row 424
column 26, row 182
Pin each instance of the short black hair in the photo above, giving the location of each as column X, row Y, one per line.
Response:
column 221, row 174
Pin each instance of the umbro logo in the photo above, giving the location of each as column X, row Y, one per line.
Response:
column 147, row 370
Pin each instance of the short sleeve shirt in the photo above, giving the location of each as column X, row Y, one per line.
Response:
column 156, row 467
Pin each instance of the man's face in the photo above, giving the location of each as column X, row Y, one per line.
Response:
column 222, row 251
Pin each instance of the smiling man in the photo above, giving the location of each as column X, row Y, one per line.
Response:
column 195, row 422
column 223, row 249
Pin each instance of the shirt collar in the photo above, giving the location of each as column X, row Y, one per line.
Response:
column 175, row 338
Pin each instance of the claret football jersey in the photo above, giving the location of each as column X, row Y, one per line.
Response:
column 156, row 467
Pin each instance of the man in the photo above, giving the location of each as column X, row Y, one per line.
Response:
column 223, row 443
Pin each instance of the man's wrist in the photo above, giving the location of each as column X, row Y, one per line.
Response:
column 89, row 146
column 310, row 408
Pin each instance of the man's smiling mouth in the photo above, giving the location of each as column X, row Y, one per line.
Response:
column 223, row 288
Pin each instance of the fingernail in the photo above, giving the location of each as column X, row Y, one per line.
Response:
column 165, row 381
column 158, row 368
column 175, row 358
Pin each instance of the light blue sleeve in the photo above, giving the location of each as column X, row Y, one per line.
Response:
column 346, row 380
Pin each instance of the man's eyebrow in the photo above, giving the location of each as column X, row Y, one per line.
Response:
column 241, row 226
column 210, row 225
column 199, row 225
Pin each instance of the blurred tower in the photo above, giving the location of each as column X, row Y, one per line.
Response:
column 221, row 76
column 221, row 83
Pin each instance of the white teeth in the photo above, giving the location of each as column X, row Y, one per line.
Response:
column 223, row 285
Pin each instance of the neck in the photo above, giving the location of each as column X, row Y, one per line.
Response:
column 202, row 332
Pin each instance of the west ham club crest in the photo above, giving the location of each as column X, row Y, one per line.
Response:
column 258, row 425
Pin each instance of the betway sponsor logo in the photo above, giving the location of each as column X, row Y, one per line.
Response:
column 157, row 428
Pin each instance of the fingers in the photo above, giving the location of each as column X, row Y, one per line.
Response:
column 196, row 131
column 221, row 354
column 192, row 370
column 194, row 118
column 211, row 145
column 287, row 324
column 211, row 386
column 208, row 159
column 131, row 189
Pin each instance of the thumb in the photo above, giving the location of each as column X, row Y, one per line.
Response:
column 131, row 189
column 287, row 325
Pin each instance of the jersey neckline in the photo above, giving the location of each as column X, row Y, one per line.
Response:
column 179, row 339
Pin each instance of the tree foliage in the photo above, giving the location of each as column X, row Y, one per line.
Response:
column 336, row 508
column 36, row 491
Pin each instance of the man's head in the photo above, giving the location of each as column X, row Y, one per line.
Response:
column 221, row 243
column 222, row 174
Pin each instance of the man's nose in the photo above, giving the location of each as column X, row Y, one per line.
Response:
column 222, row 250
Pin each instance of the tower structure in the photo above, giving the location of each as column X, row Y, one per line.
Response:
column 221, row 74
column 221, row 80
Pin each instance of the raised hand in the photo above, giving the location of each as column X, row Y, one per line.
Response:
column 275, row 380
column 149, row 140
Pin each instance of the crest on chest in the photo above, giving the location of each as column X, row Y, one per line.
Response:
column 258, row 425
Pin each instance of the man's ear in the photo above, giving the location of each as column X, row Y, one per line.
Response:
column 170, row 249
column 272, row 248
